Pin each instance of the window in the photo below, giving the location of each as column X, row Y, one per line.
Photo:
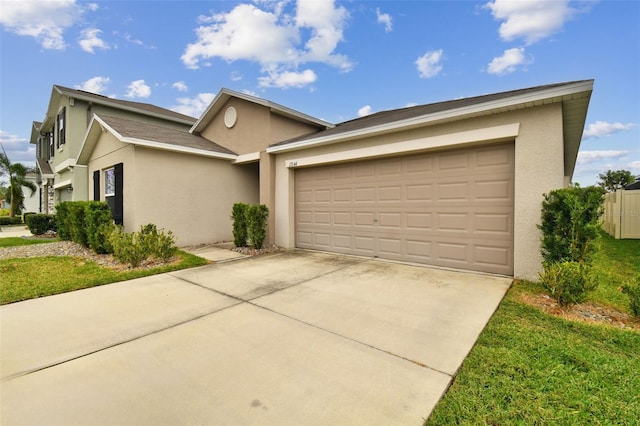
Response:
column 110, row 182
column 52, row 147
column 61, row 122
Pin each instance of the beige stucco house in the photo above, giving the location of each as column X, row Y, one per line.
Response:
column 454, row 184
column 59, row 136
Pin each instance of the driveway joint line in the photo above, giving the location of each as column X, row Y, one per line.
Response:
column 114, row 345
column 351, row 339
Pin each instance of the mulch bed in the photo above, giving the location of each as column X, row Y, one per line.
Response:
column 583, row 312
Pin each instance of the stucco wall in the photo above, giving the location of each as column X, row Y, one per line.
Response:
column 539, row 168
column 190, row 195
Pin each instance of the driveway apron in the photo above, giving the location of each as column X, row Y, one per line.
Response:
column 290, row 338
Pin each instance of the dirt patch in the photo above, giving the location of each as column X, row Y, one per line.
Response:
column 583, row 312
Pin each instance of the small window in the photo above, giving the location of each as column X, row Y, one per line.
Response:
column 61, row 128
column 110, row 182
column 52, row 147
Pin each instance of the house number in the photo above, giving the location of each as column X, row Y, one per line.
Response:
column 293, row 164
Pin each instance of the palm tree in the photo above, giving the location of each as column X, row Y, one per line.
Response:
column 17, row 179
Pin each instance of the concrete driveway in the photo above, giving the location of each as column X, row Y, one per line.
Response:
column 290, row 338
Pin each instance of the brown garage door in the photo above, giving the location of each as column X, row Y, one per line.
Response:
column 451, row 208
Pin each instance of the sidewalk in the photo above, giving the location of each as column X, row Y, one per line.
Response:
column 14, row 231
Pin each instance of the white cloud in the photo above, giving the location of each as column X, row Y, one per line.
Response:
column 278, row 41
column 531, row 20
column 90, row 40
column 286, row 79
column 365, row 110
column 604, row 128
column 138, row 89
column 95, row 85
column 18, row 149
column 194, row 107
column 509, row 61
column 429, row 63
column 45, row 21
column 236, row 76
column 384, row 19
column 181, row 86
column 586, row 157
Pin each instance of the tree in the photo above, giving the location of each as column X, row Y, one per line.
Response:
column 17, row 179
column 615, row 179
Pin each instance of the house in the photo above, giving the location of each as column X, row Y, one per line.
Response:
column 59, row 136
column 454, row 184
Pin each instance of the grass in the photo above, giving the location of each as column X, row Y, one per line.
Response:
column 19, row 241
column 24, row 279
column 529, row 367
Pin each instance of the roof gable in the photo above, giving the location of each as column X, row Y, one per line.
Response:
column 225, row 94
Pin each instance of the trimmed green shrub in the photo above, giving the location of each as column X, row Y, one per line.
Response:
column 632, row 289
column 40, row 224
column 238, row 214
column 570, row 224
column 99, row 225
column 62, row 220
column 26, row 215
column 257, row 215
column 78, row 225
column 568, row 282
column 5, row 220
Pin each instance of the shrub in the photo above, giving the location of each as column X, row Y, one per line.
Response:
column 256, row 216
column 135, row 247
column 99, row 225
column 40, row 224
column 4, row 221
column 238, row 214
column 157, row 244
column 570, row 224
column 63, row 220
column 77, row 222
column 632, row 290
column 568, row 282
column 26, row 215
column 127, row 247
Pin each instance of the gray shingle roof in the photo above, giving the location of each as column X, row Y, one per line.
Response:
column 390, row 116
column 159, row 134
column 141, row 106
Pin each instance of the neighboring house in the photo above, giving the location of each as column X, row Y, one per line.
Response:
column 59, row 136
column 453, row 184
column 632, row 186
column 31, row 199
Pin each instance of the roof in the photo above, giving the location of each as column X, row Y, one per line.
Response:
column 149, row 135
column 574, row 96
column 45, row 167
column 137, row 107
column 634, row 185
column 225, row 94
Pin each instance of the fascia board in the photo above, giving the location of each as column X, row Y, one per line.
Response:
column 551, row 93
column 174, row 148
column 90, row 138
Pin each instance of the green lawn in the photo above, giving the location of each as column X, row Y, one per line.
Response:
column 18, row 241
column 24, row 279
column 529, row 367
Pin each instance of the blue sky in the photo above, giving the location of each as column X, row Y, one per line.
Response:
column 333, row 60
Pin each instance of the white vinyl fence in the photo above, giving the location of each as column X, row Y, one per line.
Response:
column 621, row 218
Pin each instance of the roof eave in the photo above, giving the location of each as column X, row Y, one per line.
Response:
column 549, row 95
column 62, row 91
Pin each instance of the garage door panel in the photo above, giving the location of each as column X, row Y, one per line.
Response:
column 450, row 209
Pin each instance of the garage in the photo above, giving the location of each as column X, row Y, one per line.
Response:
column 451, row 208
